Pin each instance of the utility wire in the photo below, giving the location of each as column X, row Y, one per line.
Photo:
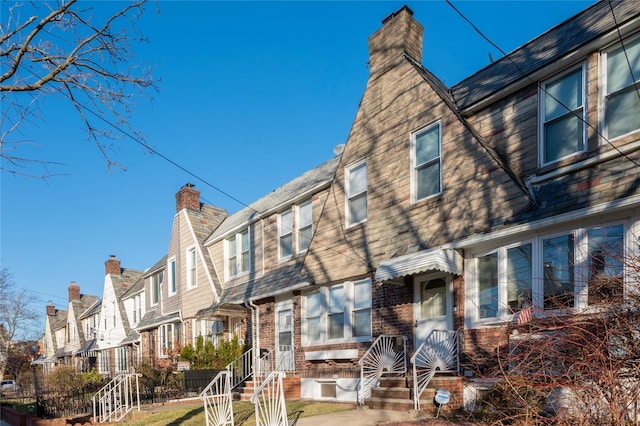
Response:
column 526, row 76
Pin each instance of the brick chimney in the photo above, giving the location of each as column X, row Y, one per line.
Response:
column 112, row 266
column 51, row 309
column 188, row 198
column 400, row 34
column 74, row 291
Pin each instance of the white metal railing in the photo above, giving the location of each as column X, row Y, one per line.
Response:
column 216, row 397
column 265, row 366
column 439, row 353
column 269, row 403
column 240, row 368
column 116, row 399
column 386, row 356
column 285, row 359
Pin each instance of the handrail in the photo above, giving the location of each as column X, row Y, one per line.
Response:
column 268, row 398
column 216, row 397
column 115, row 400
column 439, row 353
column 384, row 356
column 241, row 368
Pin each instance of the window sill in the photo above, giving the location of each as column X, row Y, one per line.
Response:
column 354, row 226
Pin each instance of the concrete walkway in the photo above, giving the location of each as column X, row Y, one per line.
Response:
column 357, row 417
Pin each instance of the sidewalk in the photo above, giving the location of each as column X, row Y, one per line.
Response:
column 357, row 417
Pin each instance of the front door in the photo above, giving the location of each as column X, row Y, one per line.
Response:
column 284, row 337
column 433, row 307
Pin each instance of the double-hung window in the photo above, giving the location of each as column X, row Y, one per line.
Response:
column 192, row 263
column 167, row 336
column 337, row 314
column 285, row 234
column 563, row 115
column 426, row 162
column 622, row 88
column 605, row 263
column 238, row 260
column 172, row 277
column 156, row 288
column 122, row 359
column 356, row 193
column 304, row 225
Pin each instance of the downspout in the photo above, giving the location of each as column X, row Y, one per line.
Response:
column 255, row 317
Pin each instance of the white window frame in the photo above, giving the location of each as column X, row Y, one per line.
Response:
column 285, row 230
column 239, row 253
column 581, row 273
column 348, row 308
column 349, row 196
column 156, row 295
column 172, row 287
column 191, row 264
column 301, row 226
column 166, row 339
column 542, row 122
column 104, row 361
column 415, row 168
column 604, row 85
column 122, row 359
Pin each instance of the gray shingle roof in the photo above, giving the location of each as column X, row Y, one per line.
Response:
column 557, row 42
column 150, row 320
column 321, row 175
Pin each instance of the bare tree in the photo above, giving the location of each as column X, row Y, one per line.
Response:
column 17, row 318
column 65, row 49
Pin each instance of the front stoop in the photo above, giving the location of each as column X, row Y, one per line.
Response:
column 395, row 394
column 291, row 386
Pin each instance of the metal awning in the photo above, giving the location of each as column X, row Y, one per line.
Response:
column 88, row 349
column 445, row 260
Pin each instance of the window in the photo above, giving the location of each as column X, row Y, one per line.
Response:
column 122, row 360
column 139, row 297
column 563, row 116
column 192, row 276
column 285, row 235
column 113, row 309
column 104, row 361
column 304, row 225
column 156, row 283
column 356, row 193
column 172, row 277
column 605, row 264
column 426, row 162
column 621, row 97
column 581, row 267
column 361, row 321
column 339, row 313
column 167, row 336
column 237, row 254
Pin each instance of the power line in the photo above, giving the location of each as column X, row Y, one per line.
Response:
column 526, row 76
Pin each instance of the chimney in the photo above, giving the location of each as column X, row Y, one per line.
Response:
column 188, row 198
column 51, row 309
column 74, row 291
column 400, row 34
column 112, row 266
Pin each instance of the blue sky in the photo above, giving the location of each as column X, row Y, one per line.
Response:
column 251, row 95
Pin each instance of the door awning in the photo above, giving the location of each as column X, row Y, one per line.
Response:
column 445, row 260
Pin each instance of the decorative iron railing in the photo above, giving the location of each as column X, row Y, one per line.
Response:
column 116, row 399
column 241, row 368
column 386, row 356
column 269, row 402
column 439, row 353
column 216, row 397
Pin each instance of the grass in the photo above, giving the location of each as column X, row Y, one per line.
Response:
column 193, row 414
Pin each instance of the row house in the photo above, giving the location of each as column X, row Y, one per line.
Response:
column 450, row 211
column 66, row 340
column 182, row 284
column 116, row 351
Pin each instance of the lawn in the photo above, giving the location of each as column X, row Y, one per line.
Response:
column 193, row 414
